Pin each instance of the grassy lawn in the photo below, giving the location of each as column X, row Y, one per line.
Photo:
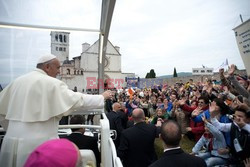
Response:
column 186, row 145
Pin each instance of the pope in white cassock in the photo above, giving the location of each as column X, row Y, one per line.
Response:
column 32, row 106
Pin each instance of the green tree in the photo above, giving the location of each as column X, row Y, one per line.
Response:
column 147, row 76
column 175, row 73
column 152, row 73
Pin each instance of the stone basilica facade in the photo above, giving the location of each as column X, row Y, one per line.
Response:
column 83, row 70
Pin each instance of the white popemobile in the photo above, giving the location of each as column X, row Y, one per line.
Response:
column 105, row 135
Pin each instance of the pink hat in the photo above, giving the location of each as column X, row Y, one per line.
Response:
column 53, row 153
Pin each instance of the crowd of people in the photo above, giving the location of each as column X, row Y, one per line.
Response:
column 216, row 115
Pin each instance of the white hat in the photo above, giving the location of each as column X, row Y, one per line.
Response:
column 45, row 58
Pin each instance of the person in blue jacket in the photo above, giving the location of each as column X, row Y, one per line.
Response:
column 224, row 110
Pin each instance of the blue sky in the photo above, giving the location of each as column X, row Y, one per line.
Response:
column 159, row 35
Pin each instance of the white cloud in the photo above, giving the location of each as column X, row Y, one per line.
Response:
column 181, row 34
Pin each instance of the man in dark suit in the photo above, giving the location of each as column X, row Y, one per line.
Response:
column 115, row 122
column 173, row 155
column 82, row 141
column 137, row 142
column 123, row 116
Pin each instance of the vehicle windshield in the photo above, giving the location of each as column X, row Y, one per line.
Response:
column 20, row 48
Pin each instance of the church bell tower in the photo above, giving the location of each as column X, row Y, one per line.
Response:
column 60, row 45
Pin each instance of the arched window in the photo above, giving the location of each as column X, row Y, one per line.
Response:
column 75, row 72
column 60, row 38
column 81, row 72
column 68, row 71
column 65, row 38
column 56, row 37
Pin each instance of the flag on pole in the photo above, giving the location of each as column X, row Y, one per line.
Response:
column 224, row 64
column 131, row 93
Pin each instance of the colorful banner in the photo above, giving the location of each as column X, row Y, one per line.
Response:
column 150, row 83
column 132, row 82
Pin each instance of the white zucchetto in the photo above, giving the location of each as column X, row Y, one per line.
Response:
column 45, row 58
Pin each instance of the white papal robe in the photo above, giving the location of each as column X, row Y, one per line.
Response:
column 33, row 104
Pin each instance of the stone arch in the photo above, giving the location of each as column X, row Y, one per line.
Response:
column 68, row 71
